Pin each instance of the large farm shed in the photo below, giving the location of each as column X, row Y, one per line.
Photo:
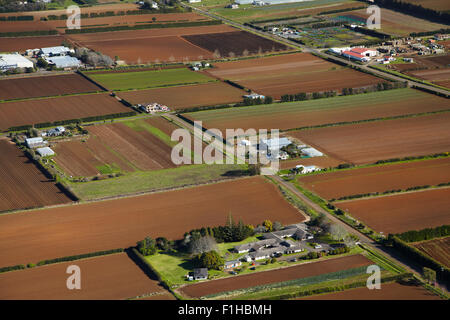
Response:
column 120, row 223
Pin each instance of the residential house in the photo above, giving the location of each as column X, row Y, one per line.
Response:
column 200, row 274
column 228, row 265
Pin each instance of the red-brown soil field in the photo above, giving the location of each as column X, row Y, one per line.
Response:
column 17, row 113
column 368, row 142
column 110, row 21
column 22, row 185
column 120, row 223
column 117, row 145
column 402, row 212
column 235, row 43
column 289, row 74
column 181, row 97
column 151, row 45
column 21, row 44
column 273, row 276
column 46, row 86
column 109, row 277
column 438, row 249
column 389, row 291
column 378, row 179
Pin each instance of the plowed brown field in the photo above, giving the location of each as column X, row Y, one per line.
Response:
column 402, row 212
column 33, row 87
column 378, row 179
column 289, row 74
column 236, row 43
column 181, row 97
column 108, row 277
column 273, row 276
column 22, row 185
column 368, row 142
column 77, row 229
column 21, row 44
column 151, row 45
column 389, row 291
column 438, row 249
column 17, row 113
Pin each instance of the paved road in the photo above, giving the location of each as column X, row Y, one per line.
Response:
column 316, row 51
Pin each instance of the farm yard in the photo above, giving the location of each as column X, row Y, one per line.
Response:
column 292, row 115
column 273, row 276
column 120, row 223
column 382, row 178
column 18, row 113
column 187, row 96
column 125, row 146
column 369, row 142
column 402, row 212
column 389, row 291
column 137, row 79
column 237, row 43
column 438, row 249
column 22, row 184
column 290, row 73
column 108, row 277
column 45, row 86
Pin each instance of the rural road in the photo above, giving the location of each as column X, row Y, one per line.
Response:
column 316, row 51
column 404, row 262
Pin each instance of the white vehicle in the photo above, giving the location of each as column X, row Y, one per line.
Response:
column 318, row 246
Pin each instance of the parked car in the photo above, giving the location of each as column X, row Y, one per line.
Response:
column 318, row 246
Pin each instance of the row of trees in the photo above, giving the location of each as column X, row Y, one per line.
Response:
column 425, row 234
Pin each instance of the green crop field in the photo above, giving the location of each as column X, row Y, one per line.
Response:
column 291, row 115
column 142, row 181
column 148, row 79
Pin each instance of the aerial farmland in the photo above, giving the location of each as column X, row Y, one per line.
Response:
column 224, row 150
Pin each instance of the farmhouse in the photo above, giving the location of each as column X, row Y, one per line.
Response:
column 45, row 152
column 54, row 51
column 55, row 131
column 153, row 107
column 13, row 61
column 228, row 265
column 35, row 142
column 200, row 274
column 308, row 169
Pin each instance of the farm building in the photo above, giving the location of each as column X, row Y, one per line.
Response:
column 311, row 152
column 254, row 96
column 194, row 1
column 12, row 61
column 339, row 50
column 273, row 145
column 153, row 107
column 308, row 169
column 54, row 51
column 228, row 265
column 64, row 61
column 364, row 52
column 45, row 152
column 355, row 56
column 35, row 142
column 54, row 132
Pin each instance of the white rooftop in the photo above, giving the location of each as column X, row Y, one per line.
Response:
column 14, row 60
column 64, row 61
column 55, row 50
column 45, row 151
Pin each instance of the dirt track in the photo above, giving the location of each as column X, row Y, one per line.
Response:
column 22, row 185
column 402, row 212
column 284, row 274
column 108, row 277
column 381, row 178
column 44, row 234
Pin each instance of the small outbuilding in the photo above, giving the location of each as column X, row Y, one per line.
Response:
column 45, row 152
